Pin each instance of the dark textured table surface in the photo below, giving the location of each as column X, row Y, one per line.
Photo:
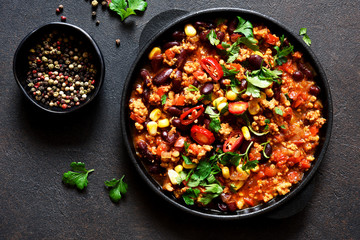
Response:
column 36, row 148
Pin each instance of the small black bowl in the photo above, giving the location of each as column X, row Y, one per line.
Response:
column 275, row 27
column 20, row 62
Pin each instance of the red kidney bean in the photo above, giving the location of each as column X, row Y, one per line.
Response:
column 162, row 77
column 298, row 76
column 243, row 84
column 176, row 82
column 268, row 151
column 207, row 88
column 223, row 207
column 199, row 24
column 195, row 83
column 207, row 123
column 314, row 90
column 232, row 25
column 142, row 148
column 277, row 90
column 225, row 197
column 164, row 134
column 171, row 139
column 174, row 111
column 178, row 35
column 155, row 169
column 156, row 62
column 220, row 35
column 177, row 123
column 170, row 44
column 146, row 94
column 145, row 75
column 255, row 61
column 181, row 59
column 203, row 35
column 305, row 70
column 232, row 206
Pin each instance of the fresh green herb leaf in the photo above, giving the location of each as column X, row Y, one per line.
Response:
column 244, row 27
column 117, row 187
column 126, row 8
column 220, row 21
column 215, row 125
column 205, row 97
column 267, row 121
column 306, row 38
column 186, row 146
column 251, row 90
column 287, row 97
column 190, row 195
column 280, row 56
column 194, row 180
column 261, row 78
column 213, row 38
column 192, row 88
column 186, row 159
column 233, row 51
column 250, row 165
column 266, row 127
column 283, row 126
column 78, row 178
column 213, row 191
column 278, row 111
column 258, row 82
column 163, row 99
column 229, row 73
column 203, row 169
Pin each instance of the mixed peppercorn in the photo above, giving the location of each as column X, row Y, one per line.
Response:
column 61, row 72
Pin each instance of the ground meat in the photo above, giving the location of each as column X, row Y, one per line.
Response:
column 191, row 67
column 191, row 97
column 225, row 130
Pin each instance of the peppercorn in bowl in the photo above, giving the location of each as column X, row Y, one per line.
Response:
column 59, row 67
column 230, row 113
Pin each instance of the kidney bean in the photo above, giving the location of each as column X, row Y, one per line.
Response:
column 268, row 151
column 305, row 70
column 171, row 139
column 277, row 91
column 178, row 35
column 199, row 24
column 142, row 148
column 232, row 25
column 232, row 206
column 255, row 61
column 154, row 169
column 177, row 123
column 164, row 134
column 223, row 207
column 181, row 59
column 145, row 75
column 162, row 77
column 146, row 94
column 176, row 82
column 156, row 62
column 207, row 88
column 170, row 44
column 203, row 35
column 243, row 84
column 195, row 83
column 298, row 76
column 174, row 111
column 220, row 35
column 207, row 123
column 314, row 90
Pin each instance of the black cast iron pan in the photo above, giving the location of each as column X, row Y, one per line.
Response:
column 154, row 35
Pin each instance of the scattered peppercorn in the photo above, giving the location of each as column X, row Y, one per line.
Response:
column 94, row 3
column 117, row 42
column 97, row 23
column 63, row 18
column 61, row 74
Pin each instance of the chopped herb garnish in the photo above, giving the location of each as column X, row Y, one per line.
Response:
column 278, row 111
column 250, row 165
column 186, row 146
column 205, row 97
column 306, row 38
column 261, row 78
column 190, row 195
column 244, row 27
column 233, row 51
column 186, row 159
column 163, row 99
column 212, row 191
column 117, row 187
column 215, row 124
column 283, row 126
column 77, row 178
column 282, row 52
column 213, row 38
column 287, row 97
column 229, row 73
column 192, row 88
column 126, row 8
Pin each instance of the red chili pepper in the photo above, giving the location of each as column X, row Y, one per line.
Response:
column 238, row 107
column 234, row 141
column 212, row 67
column 195, row 113
column 201, row 135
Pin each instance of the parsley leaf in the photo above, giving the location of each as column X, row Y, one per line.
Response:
column 278, row 111
column 186, row 146
column 215, row 124
column 78, row 178
column 250, row 165
column 252, row 90
column 280, row 56
column 213, row 191
column 244, row 27
column 306, row 38
column 213, row 38
column 233, row 51
column 205, row 97
column 190, row 195
column 192, row 88
column 186, row 159
column 117, row 187
column 203, row 169
column 283, row 126
column 126, row 8
column 229, row 73
column 261, row 78
column 163, row 99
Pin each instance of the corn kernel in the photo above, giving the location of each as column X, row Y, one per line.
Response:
column 155, row 114
column 163, row 123
column 221, row 106
column 255, row 169
column 262, row 95
column 190, row 31
column 231, row 96
column 155, row 51
column 225, row 172
column 152, row 128
column 174, row 177
column 218, row 100
column 189, row 166
column 246, row 133
column 254, row 107
column 238, row 185
column 179, row 168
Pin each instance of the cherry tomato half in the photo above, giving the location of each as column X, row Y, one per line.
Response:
column 234, row 141
column 212, row 67
column 201, row 135
column 238, row 107
column 195, row 113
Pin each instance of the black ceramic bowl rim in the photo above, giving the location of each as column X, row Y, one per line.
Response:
column 98, row 58
column 324, row 132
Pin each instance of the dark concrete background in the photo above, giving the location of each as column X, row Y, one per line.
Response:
column 36, row 148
